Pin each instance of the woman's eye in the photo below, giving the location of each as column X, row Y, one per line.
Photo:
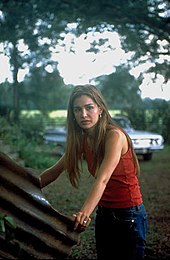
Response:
column 89, row 107
column 77, row 110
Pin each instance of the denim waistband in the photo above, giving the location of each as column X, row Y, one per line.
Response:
column 135, row 208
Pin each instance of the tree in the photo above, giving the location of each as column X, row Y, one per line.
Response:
column 120, row 89
column 142, row 25
column 29, row 21
column 44, row 91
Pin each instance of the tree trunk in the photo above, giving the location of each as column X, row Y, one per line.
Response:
column 14, row 62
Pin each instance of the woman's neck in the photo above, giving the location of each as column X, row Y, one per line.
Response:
column 90, row 133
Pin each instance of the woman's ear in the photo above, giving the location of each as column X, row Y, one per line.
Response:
column 100, row 111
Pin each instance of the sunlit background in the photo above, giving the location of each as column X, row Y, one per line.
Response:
column 80, row 66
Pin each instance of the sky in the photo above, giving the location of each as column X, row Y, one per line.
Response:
column 80, row 66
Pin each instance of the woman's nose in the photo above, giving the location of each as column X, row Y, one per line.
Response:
column 84, row 113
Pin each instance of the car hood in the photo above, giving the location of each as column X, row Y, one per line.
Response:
column 142, row 134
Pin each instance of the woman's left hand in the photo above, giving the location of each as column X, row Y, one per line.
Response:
column 81, row 221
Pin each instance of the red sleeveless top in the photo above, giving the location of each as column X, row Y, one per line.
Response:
column 122, row 190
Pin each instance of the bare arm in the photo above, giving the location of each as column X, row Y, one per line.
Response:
column 116, row 145
column 52, row 173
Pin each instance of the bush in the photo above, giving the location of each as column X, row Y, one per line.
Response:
column 31, row 149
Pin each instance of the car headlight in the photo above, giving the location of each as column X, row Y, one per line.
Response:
column 159, row 141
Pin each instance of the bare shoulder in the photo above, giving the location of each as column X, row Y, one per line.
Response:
column 117, row 137
column 115, row 133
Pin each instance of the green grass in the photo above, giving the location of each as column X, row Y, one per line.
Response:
column 155, row 186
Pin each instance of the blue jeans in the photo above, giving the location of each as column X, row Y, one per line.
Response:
column 121, row 233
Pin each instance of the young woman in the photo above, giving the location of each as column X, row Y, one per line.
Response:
column 121, row 219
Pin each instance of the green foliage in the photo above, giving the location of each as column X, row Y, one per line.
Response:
column 37, row 156
column 44, row 91
column 33, row 126
column 142, row 25
column 30, row 148
column 120, row 89
column 158, row 117
column 7, row 226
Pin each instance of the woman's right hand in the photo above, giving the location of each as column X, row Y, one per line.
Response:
column 81, row 221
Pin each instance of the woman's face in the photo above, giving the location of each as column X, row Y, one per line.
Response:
column 86, row 112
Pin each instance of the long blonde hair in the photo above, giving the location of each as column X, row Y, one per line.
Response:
column 74, row 153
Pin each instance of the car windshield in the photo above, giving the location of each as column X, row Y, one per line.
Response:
column 124, row 123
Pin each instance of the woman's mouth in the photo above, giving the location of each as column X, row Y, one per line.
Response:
column 85, row 122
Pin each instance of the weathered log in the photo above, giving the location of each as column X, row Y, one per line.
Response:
column 42, row 232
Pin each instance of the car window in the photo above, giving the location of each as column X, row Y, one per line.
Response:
column 123, row 122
